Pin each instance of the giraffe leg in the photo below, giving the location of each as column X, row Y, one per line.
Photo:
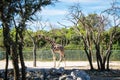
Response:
column 64, row 60
column 54, row 60
column 60, row 60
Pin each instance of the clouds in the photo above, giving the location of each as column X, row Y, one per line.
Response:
column 80, row 1
column 62, row 7
column 57, row 13
column 69, row 1
column 53, row 12
column 94, row 4
column 89, row 6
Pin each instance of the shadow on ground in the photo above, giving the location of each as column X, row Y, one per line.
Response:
column 63, row 74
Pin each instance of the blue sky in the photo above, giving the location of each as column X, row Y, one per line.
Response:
column 56, row 13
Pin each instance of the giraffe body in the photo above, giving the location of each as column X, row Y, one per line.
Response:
column 55, row 49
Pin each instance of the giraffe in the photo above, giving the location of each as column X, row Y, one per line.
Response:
column 55, row 48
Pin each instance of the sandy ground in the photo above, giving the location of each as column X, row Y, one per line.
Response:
column 69, row 64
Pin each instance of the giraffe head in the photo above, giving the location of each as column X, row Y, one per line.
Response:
column 51, row 41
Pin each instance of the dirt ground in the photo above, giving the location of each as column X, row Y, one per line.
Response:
column 113, row 74
column 69, row 64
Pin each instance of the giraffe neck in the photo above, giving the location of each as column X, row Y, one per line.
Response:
column 51, row 42
column 55, row 47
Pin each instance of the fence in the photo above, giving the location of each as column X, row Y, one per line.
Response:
column 71, row 55
column 44, row 55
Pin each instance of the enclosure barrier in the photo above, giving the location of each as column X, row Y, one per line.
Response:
column 71, row 55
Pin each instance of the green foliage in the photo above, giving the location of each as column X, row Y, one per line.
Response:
column 115, row 55
column 73, row 47
column 117, row 35
column 1, row 38
column 75, row 40
column 70, row 40
column 41, row 43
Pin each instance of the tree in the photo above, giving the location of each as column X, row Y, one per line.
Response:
column 34, row 38
column 8, row 12
column 78, row 19
column 113, row 13
column 91, row 28
column 34, row 41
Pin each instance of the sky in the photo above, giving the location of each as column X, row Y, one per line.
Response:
column 57, row 12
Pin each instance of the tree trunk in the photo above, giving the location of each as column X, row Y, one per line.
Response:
column 34, row 53
column 90, row 62
column 22, row 62
column 6, row 36
column 9, row 43
column 34, row 49
column 100, row 62
column 109, row 50
column 108, row 59
column 7, row 62
column 89, row 59
column 14, row 56
column 88, row 54
column 7, row 46
column 20, row 32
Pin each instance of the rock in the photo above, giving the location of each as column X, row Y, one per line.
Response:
column 42, row 77
column 56, row 72
column 80, row 75
column 28, row 74
column 60, row 71
column 79, row 78
column 51, row 74
column 55, row 79
column 2, row 75
column 66, row 77
column 52, row 71
column 1, row 79
column 36, row 78
column 48, row 77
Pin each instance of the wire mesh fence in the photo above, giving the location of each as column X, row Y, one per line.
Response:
column 46, row 55
column 71, row 55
